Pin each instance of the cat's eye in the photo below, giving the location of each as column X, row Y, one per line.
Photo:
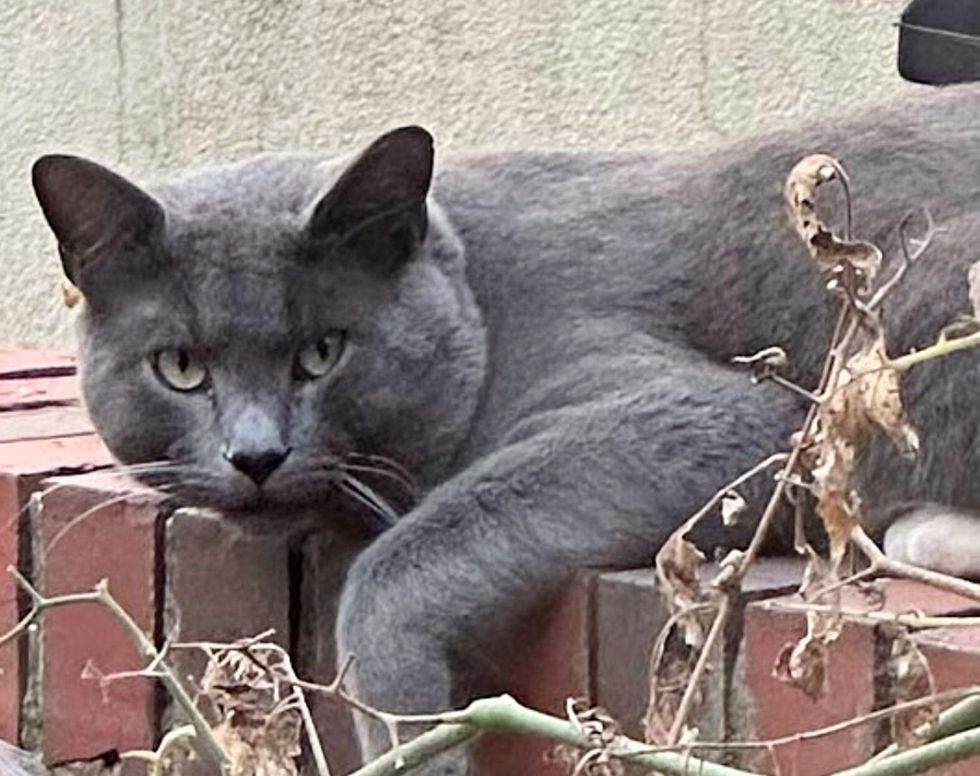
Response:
column 180, row 369
column 318, row 358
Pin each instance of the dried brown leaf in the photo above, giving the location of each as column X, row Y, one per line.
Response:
column 804, row 664
column 830, row 252
column 679, row 565
column 912, row 679
column 259, row 724
column 732, row 507
column 878, row 393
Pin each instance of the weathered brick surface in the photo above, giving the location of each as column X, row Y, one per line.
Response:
column 325, row 559
column 221, row 585
column 52, row 437
column 631, row 612
column 954, row 659
column 10, row 654
column 773, row 709
column 547, row 662
column 90, row 528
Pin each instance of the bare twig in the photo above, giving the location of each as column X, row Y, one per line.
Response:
column 205, row 739
column 884, row 565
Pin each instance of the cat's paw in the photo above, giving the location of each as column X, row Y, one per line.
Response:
column 937, row 537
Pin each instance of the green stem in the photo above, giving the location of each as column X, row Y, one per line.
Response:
column 953, row 748
column 504, row 714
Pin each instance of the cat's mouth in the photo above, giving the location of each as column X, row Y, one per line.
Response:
column 370, row 490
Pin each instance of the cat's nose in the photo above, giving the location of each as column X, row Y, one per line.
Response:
column 257, row 464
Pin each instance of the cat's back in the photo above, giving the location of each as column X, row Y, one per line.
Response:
column 696, row 246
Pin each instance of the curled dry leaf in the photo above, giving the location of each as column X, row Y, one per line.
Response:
column 804, row 664
column 600, row 730
column 912, row 679
column 830, row 252
column 732, row 508
column 878, row 394
column 867, row 395
column 260, row 724
column 679, row 565
column 667, row 685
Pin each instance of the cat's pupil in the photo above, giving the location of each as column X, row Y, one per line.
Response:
column 323, row 350
column 183, row 360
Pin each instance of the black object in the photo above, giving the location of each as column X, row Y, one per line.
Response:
column 939, row 41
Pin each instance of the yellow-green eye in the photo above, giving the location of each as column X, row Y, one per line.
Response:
column 180, row 369
column 319, row 357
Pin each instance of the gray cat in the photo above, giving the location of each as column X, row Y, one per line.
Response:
column 542, row 340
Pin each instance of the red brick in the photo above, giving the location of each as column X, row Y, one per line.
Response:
column 904, row 595
column 117, row 542
column 773, row 709
column 44, row 423
column 28, row 393
column 62, row 455
column 10, row 654
column 549, row 662
column 954, row 659
column 23, row 464
column 630, row 613
column 27, row 362
column 326, row 557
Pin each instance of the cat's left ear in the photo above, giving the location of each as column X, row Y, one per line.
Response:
column 376, row 209
column 103, row 223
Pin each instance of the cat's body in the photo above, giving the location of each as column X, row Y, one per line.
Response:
column 552, row 362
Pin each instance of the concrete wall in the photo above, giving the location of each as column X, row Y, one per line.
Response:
column 153, row 85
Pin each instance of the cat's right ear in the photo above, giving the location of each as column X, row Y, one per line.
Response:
column 93, row 212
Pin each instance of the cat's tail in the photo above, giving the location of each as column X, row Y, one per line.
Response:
column 17, row 762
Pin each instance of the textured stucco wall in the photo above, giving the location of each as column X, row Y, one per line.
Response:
column 151, row 85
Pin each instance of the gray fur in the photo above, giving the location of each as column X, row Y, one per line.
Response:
column 553, row 363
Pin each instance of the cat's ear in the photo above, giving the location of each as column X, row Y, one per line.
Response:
column 376, row 208
column 93, row 212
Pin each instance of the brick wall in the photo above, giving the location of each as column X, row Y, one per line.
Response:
column 196, row 576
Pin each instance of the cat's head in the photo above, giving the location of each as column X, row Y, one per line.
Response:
column 258, row 336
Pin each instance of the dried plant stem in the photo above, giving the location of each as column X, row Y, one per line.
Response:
column 844, row 331
column 707, row 650
column 204, row 738
column 906, row 619
column 885, row 565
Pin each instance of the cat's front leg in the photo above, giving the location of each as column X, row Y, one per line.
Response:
column 576, row 490
column 453, row 568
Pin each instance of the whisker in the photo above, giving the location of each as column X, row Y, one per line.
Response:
column 385, row 461
column 367, row 496
column 79, row 518
column 409, row 487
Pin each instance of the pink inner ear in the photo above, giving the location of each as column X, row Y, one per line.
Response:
column 394, row 172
